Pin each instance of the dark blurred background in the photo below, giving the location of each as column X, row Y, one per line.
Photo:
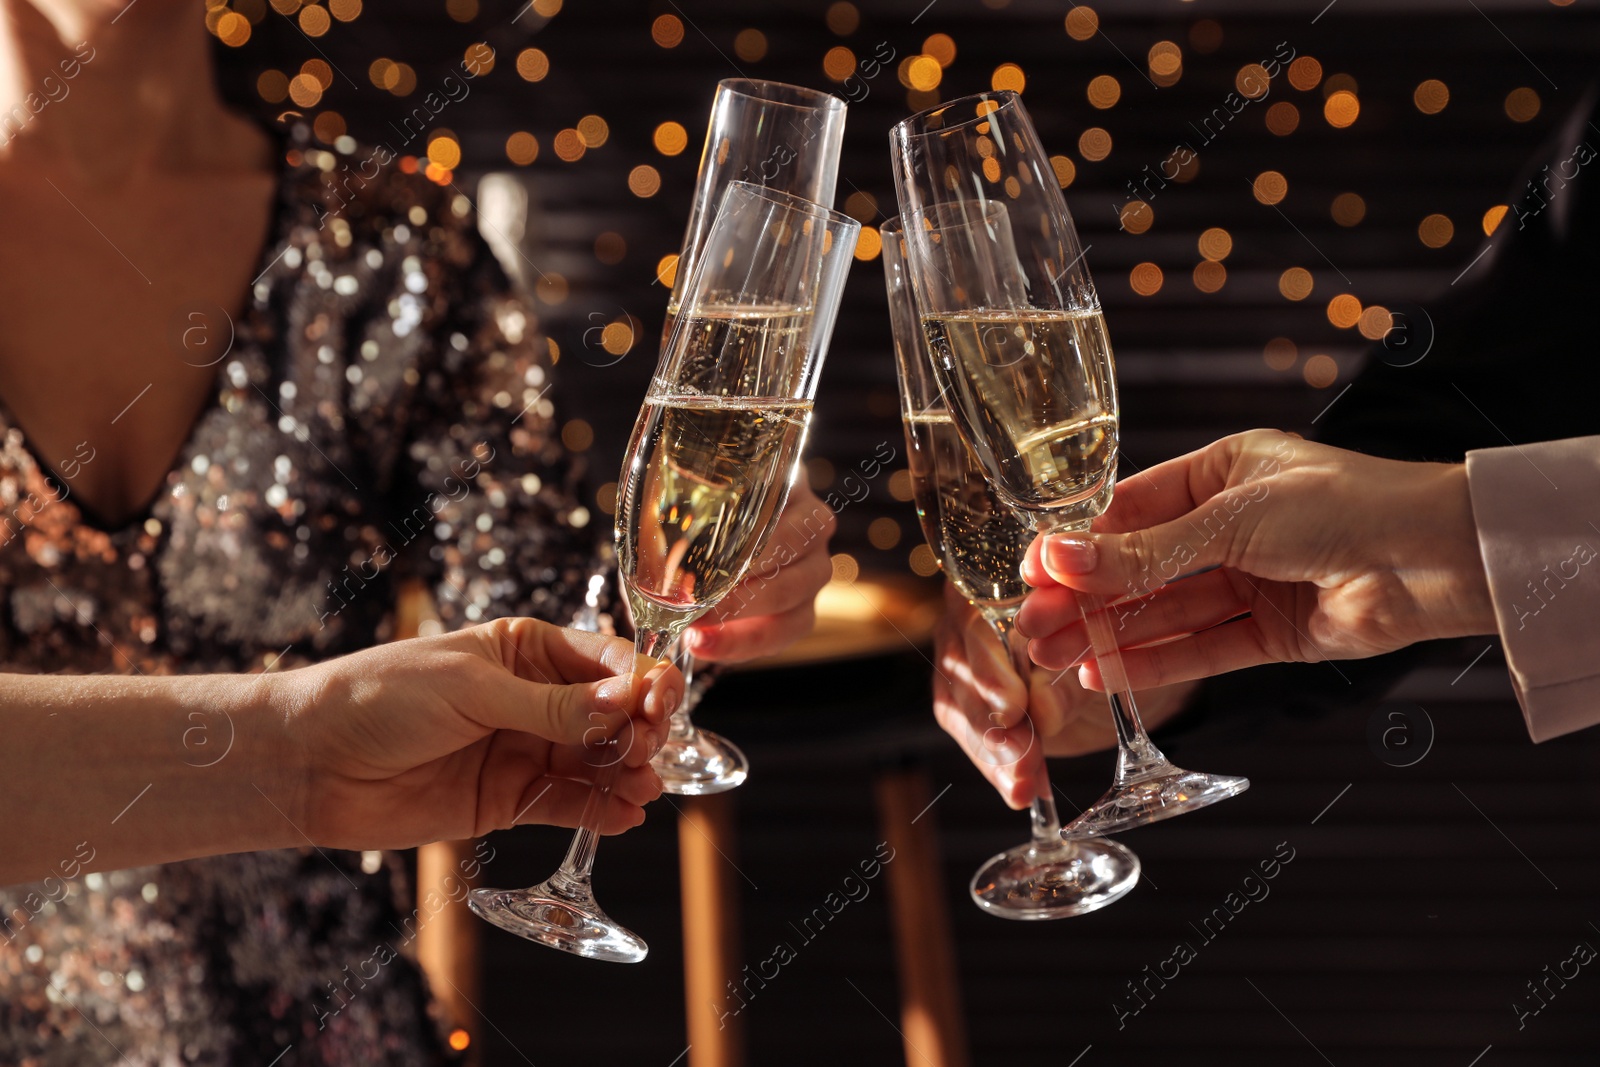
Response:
column 1330, row 209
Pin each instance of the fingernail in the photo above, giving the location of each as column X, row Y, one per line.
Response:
column 615, row 691
column 669, row 701
column 1071, row 555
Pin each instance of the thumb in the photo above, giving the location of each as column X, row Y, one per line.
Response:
column 573, row 714
column 1139, row 562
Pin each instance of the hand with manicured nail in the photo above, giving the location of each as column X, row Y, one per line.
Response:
column 1261, row 548
column 453, row 736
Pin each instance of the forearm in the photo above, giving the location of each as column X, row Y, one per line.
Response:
column 1435, row 553
column 105, row 772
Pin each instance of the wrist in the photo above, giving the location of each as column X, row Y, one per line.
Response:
column 275, row 706
column 1444, row 568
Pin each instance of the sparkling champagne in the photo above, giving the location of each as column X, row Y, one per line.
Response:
column 701, row 492
column 980, row 543
column 1036, row 395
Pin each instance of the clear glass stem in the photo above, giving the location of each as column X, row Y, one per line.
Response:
column 680, row 727
column 1137, row 756
column 572, row 877
column 1045, row 823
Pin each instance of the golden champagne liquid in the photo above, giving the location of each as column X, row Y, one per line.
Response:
column 1036, row 395
column 979, row 541
column 701, row 492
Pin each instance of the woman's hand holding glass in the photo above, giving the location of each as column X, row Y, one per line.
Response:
column 1263, row 548
column 449, row 737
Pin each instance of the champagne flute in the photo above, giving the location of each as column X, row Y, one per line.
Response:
column 1020, row 346
column 714, row 452
column 787, row 138
column 980, row 545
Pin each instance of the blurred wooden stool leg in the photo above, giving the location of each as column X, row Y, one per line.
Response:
column 710, row 929
column 447, row 944
column 930, row 991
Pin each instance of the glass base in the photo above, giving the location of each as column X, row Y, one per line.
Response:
column 566, row 921
column 700, row 764
column 1029, row 882
column 1150, row 799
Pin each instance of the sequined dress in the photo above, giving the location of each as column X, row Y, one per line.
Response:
column 381, row 416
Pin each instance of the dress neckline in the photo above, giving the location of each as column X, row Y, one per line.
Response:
column 243, row 336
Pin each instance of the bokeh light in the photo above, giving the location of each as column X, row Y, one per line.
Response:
column 1348, row 209
column 1283, row 118
column 1280, row 353
column 1270, row 187
column 1375, row 321
column 861, row 206
column 883, row 533
column 1094, row 144
column 1431, row 96
column 1145, row 279
column 1436, row 230
column 1008, row 76
column 839, row 63
column 577, row 435
column 942, row 47
column 1492, row 217
column 1252, row 81
column 233, row 29
column 617, row 337
column 1210, row 276
column 1295, row 283
column 667, row 31
column 314, row 20
column 670, row 138
column 1522, row 105
column 924, row 564
column 568, row 145
column 273, row 86
column 1065, row 169
column 644, row 181
column 1136, row 216
column 923, row 73
column 1344, row 311
column 532, row 64
column 522, row 148
column 594, row 130
column 667, row 270
column 843, row 18
column 1082, row 23
column 478, row 59
column 1320, row 371
column 551, row 288
column 869, row 244
column 750, row 45
column 1104, row 91
column 1341, row 109
column 1305, row 73
column 1215, row 244
column 1165, row 58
